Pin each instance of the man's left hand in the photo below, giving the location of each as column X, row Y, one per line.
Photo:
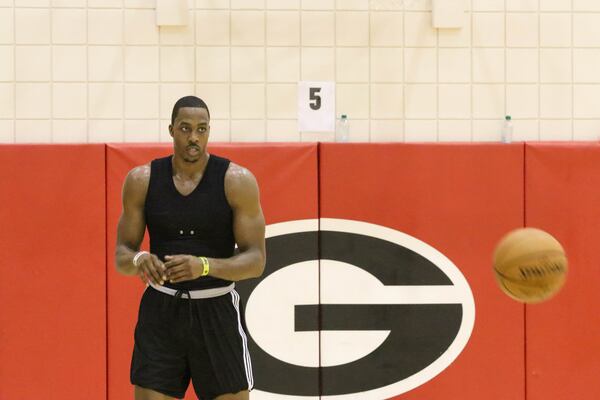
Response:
column 181, row 268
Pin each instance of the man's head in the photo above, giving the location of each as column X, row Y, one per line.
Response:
column 190, row 128
column 188, row 101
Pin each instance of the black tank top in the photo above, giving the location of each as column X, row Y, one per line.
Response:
column 199, row 224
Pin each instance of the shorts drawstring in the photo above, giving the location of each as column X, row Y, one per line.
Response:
column 179, row 295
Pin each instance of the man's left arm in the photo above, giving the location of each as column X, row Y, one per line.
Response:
column 242, row 194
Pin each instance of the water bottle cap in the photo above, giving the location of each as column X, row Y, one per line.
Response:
column 508, row 117
column 344, row 116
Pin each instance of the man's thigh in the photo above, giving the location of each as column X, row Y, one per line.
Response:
column 219, row 361
column 147, row 394
column 243, row 395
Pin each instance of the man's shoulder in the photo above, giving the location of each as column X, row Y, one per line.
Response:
column 237, row 174
column 136, row 185
column 241, row 186
column 139, row 175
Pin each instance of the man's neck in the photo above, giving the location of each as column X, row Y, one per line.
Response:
column 183, row 168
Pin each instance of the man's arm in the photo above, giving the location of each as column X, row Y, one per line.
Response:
column 130, row 231
column 242, row 193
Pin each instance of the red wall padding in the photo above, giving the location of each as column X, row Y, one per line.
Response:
column 52, row 290
column 460, row 200
column 563, row 334
column 68, row 316
column 287, row 177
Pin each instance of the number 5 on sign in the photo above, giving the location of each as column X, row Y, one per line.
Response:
column 316, row 106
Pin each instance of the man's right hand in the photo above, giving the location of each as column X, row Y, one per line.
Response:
column 151, row 269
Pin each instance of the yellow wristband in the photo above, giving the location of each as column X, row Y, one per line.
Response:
column 205, row 266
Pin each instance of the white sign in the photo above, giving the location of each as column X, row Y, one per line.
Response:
column 316, row 106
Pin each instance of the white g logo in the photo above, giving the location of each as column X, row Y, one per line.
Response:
column 360, row 310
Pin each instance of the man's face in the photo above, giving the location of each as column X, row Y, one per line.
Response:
column 190, row 132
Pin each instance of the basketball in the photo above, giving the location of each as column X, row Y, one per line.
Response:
column 530, row 265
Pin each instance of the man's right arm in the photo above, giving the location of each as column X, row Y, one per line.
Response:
column 131, row 228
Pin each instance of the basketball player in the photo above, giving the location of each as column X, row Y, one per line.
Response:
column 196, row 207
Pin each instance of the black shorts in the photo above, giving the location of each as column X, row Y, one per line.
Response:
column 203, row 339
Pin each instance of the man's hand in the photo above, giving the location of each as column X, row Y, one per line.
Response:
column 182, row 268
column 151, row 269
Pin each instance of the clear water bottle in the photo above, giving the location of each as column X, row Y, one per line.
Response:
column 342, row 129
column 507, row 130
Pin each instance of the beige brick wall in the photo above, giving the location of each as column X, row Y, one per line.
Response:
column 101, row 70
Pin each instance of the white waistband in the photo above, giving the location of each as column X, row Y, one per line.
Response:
column 196, row 294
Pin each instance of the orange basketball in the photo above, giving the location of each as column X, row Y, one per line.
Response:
column 530, row 265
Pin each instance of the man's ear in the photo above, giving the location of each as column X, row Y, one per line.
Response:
column 171, row 130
